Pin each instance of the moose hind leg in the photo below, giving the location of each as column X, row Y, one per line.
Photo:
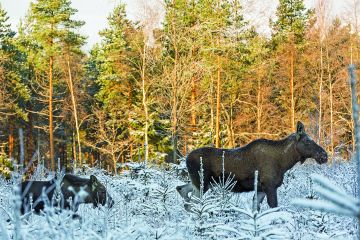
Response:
column 197, row 189
column 271, row 195
column 260, row 198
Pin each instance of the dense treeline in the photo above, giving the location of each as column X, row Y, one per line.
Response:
column 206, row 77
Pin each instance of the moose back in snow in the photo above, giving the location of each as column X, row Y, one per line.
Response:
column 271, row 158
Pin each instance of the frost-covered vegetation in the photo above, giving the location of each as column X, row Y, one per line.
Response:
column 147, row 206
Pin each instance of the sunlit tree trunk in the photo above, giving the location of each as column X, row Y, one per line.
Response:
column 174, row 92
column 321, row 11
column 258, row 106
column 129, row 116
column 193, row 104
column 144, row 101
column 218, row 99
column 30, row 146
column 331, row 103
column 114, row 163
column 174, row 109
column 212, row 117
column 51, row 128
column 73, row 100
column 73, row 143
column 292, row 110
column 320, row 93
column 231, row 124
column 351, row 111
column 11, row 137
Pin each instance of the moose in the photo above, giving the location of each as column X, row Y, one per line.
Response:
column 271, row 158
column 42, row 193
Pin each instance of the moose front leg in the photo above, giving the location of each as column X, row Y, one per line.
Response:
column 271, row 195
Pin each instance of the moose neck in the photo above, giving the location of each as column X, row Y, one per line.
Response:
column 289, row 155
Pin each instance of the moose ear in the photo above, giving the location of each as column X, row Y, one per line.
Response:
column 300, row 129
column 93, row 182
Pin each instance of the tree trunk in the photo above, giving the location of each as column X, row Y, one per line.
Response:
column 174, row 100
column 320, row 93
column 129, row 116
column 231, row 123
column 51, row 128
column 30, row 146
column 193, row 104
column 212, row 118
column 73, row 100
column 11, row 137
column 292, row 110
column 73, row 143
column 192, row 116
column 331, row 104
column 92, row 159
column 174, row 127
column 114, row 162
column 144, row 101
column 218, row 98
column 258, row 106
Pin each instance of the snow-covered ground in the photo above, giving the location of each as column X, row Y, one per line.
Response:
column 147, row 206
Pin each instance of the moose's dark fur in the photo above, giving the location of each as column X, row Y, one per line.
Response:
column 70, row 184
column 271, row 158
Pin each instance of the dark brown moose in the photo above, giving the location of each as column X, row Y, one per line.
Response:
column 42, row 193
column 271, row 158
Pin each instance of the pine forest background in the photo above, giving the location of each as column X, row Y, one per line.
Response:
column 205, row 77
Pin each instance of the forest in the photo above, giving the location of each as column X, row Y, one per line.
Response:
column 205, row 77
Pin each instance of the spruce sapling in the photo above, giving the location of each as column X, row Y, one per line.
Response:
column 201, row 207
column 259, row 225
column 163, row 191
column 223, row 187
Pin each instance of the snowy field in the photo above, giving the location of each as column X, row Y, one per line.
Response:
column 147, row 206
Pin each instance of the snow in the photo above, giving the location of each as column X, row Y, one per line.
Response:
column 147, row 206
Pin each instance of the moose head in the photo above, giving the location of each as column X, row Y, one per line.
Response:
column 98, row 193
column 308, row 148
